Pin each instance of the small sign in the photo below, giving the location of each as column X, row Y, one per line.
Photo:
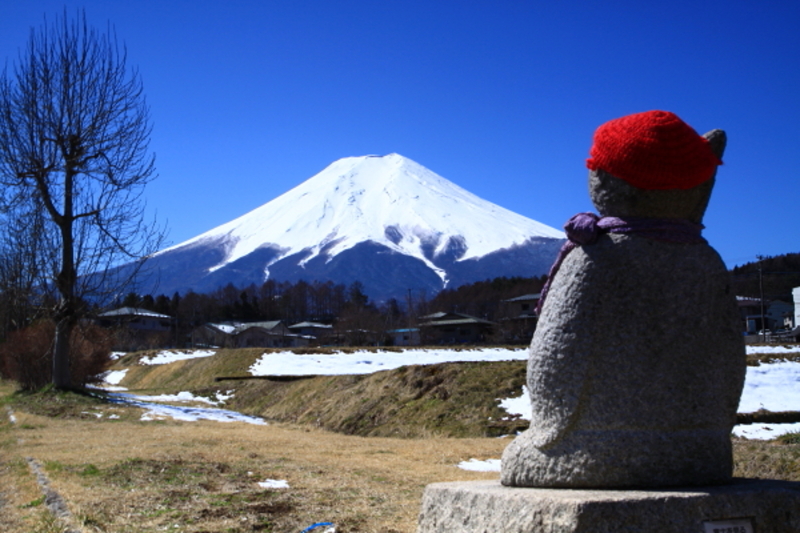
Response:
column 738, row 525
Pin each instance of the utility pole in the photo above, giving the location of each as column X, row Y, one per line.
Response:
column 761, row 291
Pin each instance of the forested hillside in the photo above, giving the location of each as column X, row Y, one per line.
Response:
column 778, row 275
column 326, row 302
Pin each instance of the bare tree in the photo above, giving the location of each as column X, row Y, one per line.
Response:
column 22, row 260
column 74, row 134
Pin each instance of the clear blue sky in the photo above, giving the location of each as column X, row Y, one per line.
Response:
column 250, row 98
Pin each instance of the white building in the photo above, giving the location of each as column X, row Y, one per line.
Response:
column 796, row 298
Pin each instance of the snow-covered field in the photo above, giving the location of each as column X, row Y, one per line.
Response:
column 773, row 386
column 366, row 362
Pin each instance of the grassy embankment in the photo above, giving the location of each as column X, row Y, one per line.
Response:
column 449, row 399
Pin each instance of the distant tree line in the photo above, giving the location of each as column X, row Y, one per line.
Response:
column 325, row 301
column 291, row 302
column 776, row 276
column 485, row 299
column 348, row 308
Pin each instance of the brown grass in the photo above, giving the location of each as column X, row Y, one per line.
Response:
column 123, row 475
column 778, row 459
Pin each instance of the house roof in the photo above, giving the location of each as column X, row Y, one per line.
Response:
column 744, row 301
column 132, row 311
column 452, row 319
column 270, row 324
column 457, row 322
column 310, row 325
column 525, row 297
column 224, row 328
column 434, row 316
column 238, row 327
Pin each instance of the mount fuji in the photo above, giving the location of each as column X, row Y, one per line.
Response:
column 387, row 222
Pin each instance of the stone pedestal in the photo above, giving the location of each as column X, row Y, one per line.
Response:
column 743, row 506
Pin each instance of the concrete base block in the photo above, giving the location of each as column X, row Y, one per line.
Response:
column 743, row 506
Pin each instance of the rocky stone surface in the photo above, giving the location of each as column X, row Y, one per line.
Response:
column 487, row 506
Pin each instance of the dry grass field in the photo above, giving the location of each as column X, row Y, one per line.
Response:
column 119, row 474
column 125, row 475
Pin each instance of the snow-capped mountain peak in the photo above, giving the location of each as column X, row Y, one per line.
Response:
column 388, row 200
column 384, row 221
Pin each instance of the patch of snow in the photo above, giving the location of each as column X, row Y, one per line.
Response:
column 114, row 377
column 170, row 356
column 157, row 411
column 520, row 405
column 773, row 386
column 223, row 397
column 764, row 431
column 474, row 465
column 364, row 362
column 225, row 328
column 778, row 349
column 274, row 484
column 185, row 396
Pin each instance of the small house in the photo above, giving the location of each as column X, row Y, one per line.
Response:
column 134, row 318
column 271, row 334
column 137, row 329
column 522, row 306
column 213, row 335
column 519, row 319
column 454, row 328
column 313, row 329
column 404, row 337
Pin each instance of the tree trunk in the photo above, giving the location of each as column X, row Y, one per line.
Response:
column 62, row 378
column 65, row 283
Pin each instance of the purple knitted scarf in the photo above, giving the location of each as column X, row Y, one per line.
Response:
column 585, row 228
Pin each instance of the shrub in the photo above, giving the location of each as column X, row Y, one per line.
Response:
column 90, row 353
column 26, row 357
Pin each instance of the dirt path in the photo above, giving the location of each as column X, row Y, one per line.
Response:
column 119, row 474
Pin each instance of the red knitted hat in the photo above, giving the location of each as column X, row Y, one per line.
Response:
column 653, row 150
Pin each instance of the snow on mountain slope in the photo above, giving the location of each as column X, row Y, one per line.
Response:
column 390, row 200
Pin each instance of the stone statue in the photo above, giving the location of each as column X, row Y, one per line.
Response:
column 638, row 359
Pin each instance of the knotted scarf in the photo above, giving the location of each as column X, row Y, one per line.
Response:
column 585, row 228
